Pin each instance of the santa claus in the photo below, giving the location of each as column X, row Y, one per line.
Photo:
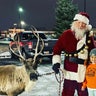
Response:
column 76, row 44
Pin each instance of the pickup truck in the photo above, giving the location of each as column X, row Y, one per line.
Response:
column 28, row 41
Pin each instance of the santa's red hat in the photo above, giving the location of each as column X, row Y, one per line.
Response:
column 84, row 17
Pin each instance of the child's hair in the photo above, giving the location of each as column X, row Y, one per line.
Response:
column 93, row 52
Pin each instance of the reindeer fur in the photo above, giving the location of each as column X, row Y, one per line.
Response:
column 14, row 80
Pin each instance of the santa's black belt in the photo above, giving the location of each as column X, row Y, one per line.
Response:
column 76, row 60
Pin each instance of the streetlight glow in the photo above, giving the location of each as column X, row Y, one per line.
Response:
column 22, row 23
column 20, row 9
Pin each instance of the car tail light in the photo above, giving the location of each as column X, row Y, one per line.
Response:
column 10, row 44
column 30, row 45
column 21, row 44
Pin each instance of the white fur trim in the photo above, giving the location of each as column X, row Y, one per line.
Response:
column 83, row 55
column 56, row 59
column 89, row 27
column 78, row 76
column 81, row 18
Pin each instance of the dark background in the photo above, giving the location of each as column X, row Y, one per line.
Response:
column 40, row 13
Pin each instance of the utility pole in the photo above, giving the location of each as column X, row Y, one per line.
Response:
column 84, row 5
column 20, row 12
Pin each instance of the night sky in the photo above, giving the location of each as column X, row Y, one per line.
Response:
column 40, row 13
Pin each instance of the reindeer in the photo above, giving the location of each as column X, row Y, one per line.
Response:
column 16, row 79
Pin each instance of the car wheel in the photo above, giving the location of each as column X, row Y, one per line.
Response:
column 50, row 57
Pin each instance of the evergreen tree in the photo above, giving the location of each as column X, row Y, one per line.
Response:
column 65, row 12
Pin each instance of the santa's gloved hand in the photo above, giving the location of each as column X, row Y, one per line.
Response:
column 56, row 67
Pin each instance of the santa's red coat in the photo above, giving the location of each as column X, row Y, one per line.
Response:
column 67, row 42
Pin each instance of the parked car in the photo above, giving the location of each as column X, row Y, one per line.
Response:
column 6, row 40
column 28, row 41
column 4, row 50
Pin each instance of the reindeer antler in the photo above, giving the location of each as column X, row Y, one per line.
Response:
column 38, row 41
column 33, row 29
column 18, row 48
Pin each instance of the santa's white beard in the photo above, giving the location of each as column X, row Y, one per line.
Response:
column 79, row 33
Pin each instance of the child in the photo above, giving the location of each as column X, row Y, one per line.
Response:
column 90, row 81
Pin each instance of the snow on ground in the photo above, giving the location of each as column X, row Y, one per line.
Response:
column 45, row 85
